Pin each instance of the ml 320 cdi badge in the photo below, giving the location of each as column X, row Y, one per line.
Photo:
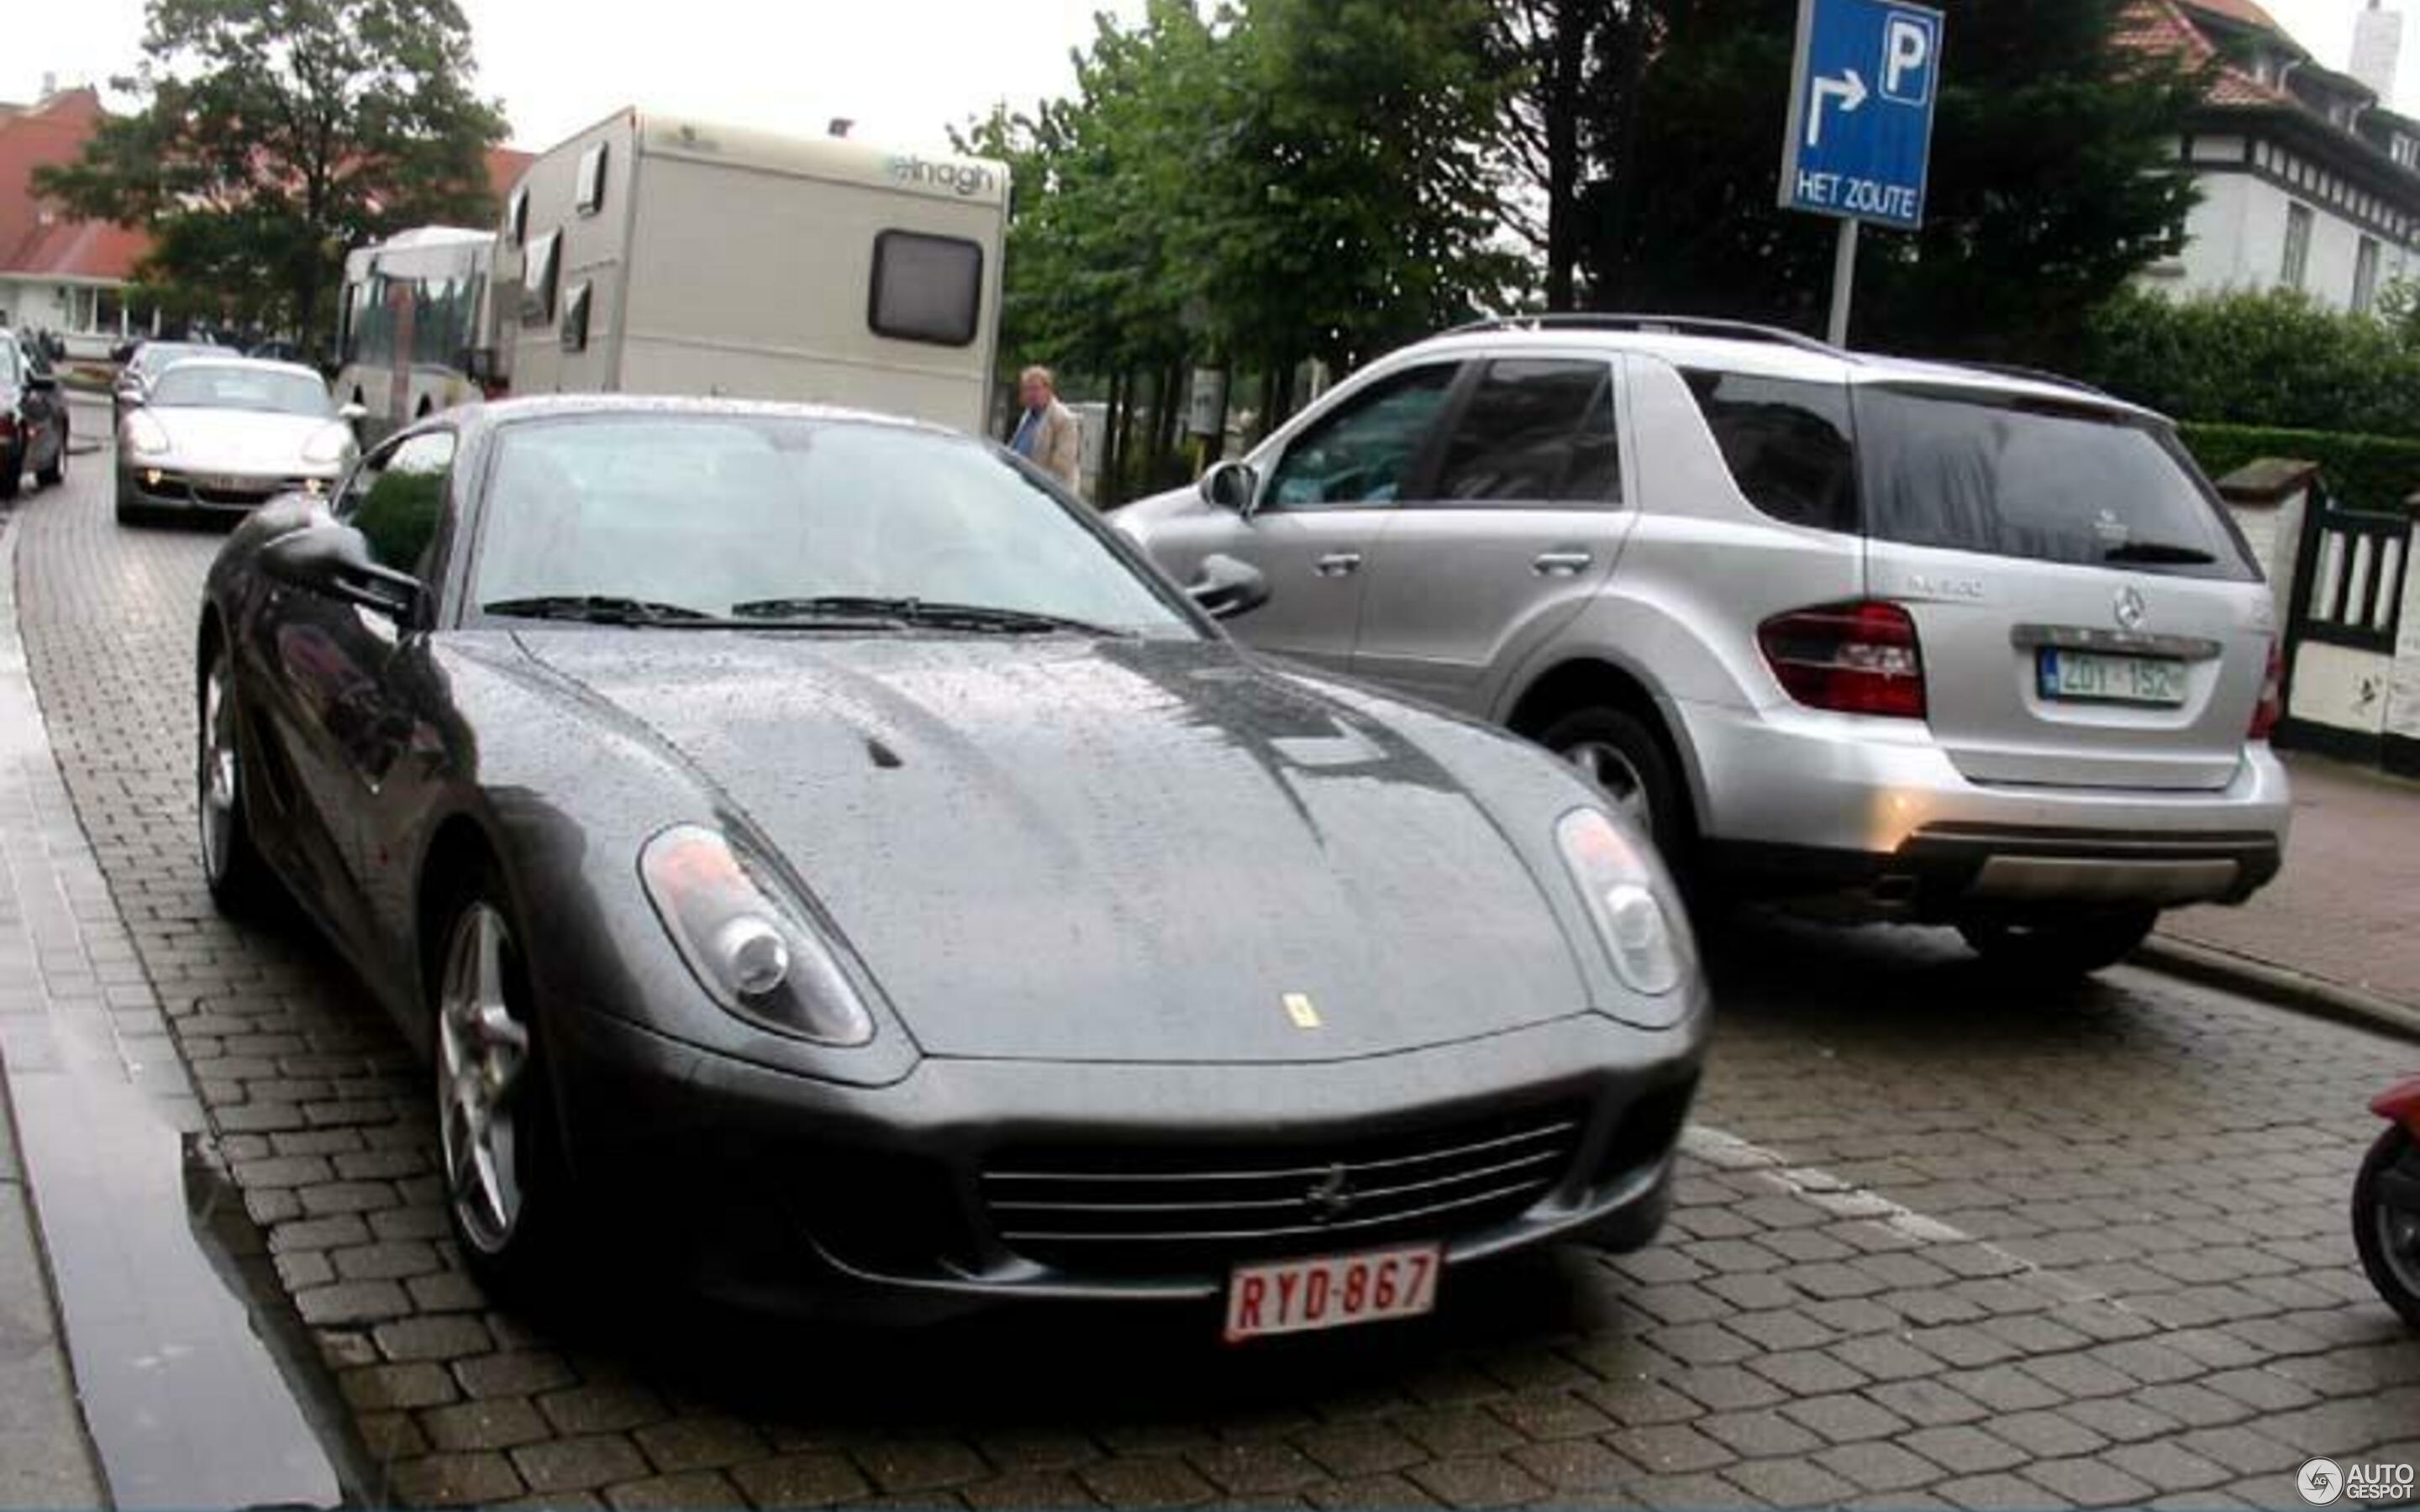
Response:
column 821, row 831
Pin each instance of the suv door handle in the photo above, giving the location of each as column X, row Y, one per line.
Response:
column 1338, row 565
column 1562, row 564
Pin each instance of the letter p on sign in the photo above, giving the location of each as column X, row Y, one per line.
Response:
column 1909, row 40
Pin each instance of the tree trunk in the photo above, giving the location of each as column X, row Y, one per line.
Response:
column 1168, row 420
column 1562, row 113
column 1155, row 451
column 1113, row 450
column 1628, row 68
column 1281, row 393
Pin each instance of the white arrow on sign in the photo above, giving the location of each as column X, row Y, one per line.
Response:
column 1849, row 89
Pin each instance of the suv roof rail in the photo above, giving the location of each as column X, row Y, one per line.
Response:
column 2037, row 375
column 1678, row 325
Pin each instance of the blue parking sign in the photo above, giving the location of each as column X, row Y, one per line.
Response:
column 1861, row 103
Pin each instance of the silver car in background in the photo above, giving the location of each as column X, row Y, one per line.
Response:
column 1914, row 640
column 225, row 435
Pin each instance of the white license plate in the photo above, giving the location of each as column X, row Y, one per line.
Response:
column 1334, row 1291
column 2087, row 677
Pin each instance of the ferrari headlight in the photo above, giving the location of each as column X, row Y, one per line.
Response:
column 145, row 436
column 1636, row 910
column 332, row 444
column 752, row 948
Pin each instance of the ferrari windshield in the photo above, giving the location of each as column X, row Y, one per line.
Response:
column 672, row 519
column 194, row 385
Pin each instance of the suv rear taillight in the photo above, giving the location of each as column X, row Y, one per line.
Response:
column 2271, row 706
column 1851, row 658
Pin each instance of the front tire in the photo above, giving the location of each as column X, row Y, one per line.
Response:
column 2387, row 1237
column 2060, row 945
column 13, row 471
column 57, row 474
column 239, row 881
column 505, row 1190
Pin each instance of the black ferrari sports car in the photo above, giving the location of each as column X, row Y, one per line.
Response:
column 816, row 845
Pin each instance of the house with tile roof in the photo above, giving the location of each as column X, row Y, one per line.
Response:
column 58, row 273
column 2307, row 179
column 69, row 276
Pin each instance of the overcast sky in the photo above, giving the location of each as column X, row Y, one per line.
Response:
column 905, row 69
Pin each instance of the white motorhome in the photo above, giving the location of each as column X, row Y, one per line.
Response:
column 650, row 254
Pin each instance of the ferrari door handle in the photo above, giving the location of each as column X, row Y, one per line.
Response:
column 1338, row 565
column 1561, row 564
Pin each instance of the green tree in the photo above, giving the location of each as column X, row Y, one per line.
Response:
column 273, row 135
column 1573, row 117
column 1268, row 183
column 1356, row 199
column 2272, row 359
column 2053, row 181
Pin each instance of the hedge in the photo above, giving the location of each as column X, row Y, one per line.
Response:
column 2365, row 472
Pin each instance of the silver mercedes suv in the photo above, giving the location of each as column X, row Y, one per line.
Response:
column 1907, row 639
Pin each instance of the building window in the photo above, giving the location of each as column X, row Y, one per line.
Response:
column 2365, row 276
column 2298, row 246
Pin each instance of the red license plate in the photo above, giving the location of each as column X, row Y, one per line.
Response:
column 1335, row 1292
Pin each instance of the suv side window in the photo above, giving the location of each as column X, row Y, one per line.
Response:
column 396, row 498
column 1364, row 451
column 1787, row 442
column 1536, row 430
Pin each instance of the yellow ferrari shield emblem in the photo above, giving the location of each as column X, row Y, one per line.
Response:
column 1298, row 1008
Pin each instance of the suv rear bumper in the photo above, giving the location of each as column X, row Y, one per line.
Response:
column 1873, row 811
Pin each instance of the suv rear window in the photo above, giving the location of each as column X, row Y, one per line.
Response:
column 1785, row 442
column 2046, row 482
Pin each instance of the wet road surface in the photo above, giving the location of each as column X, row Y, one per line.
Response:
column 1939, row 1242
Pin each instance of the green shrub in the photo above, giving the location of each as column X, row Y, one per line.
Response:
column 2273, row 359
column 2365, row 472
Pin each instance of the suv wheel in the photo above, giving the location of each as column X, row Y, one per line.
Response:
column 1618, row 754
column 2069, row 944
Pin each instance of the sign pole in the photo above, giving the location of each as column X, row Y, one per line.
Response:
column 1844, row 280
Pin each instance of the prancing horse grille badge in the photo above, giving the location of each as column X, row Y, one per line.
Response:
column 1299, row 1009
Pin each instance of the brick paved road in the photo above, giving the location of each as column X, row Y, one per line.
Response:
column 1938, row 1244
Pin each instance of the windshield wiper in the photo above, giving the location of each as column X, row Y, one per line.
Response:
column 928, row 612
column 596, row 609
column 2158, row 551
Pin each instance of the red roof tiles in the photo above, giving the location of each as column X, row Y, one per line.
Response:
column 36, row 238
column 2163, row 27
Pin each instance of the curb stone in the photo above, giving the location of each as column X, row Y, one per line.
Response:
column 2276, row 984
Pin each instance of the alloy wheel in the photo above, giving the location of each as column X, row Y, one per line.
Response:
column 483, row 1049
column 1616, row 776
column 219, row 775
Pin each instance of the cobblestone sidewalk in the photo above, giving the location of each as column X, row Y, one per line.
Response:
column 2346, row 907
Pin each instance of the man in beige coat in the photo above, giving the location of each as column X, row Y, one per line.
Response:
column 1050, row 435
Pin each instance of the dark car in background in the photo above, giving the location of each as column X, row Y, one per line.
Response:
column 144, row 363
column 33, row 417
column 816, row 845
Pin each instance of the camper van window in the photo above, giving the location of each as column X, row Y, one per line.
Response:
column 538, row 279
column 925, row 289
column 591, row 197
column 575, row 318
column 517, row 217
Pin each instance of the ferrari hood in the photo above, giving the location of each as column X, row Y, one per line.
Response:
column 1116, row 850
